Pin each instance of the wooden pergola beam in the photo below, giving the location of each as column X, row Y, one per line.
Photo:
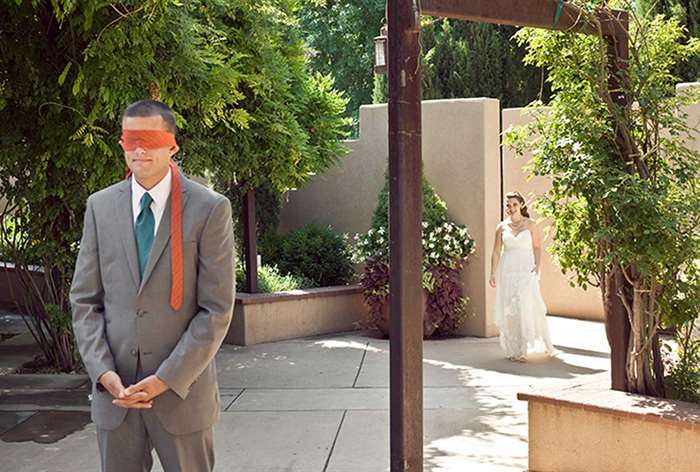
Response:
column 533, row 13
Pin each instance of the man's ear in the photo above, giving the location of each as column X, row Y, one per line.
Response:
column 174, row 150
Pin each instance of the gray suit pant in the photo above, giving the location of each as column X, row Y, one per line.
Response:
column 128, row 448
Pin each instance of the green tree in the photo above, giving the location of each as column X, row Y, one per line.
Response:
column 234, row 71
column 626, row 206
column 688, row 13
column 340, row 36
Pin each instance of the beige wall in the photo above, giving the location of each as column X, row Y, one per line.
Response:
column 693, row 115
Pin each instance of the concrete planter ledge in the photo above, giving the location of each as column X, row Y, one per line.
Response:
column 267, row 317
column 588, row 427
column 254, row 298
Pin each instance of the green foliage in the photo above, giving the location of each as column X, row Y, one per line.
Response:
column 434, row 208
column 271, row 280
column 687, row 12
column 314, row 252
column 466, row 59
column 248, row 112
column 340, row 35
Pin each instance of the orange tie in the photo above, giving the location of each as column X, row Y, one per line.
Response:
column 177, row 275
column 178, row 282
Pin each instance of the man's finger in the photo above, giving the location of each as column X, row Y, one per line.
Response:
column 139, row 404
column 117, row 391
column 131, row 389
column 136, row 397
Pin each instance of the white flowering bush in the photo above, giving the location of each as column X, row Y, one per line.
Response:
column 446, row 247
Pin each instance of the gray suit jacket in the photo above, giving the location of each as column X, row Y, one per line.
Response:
column 117, row 317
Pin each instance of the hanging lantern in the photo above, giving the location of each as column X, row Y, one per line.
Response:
column 381, row 55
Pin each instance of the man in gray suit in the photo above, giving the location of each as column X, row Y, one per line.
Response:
column 152, row 298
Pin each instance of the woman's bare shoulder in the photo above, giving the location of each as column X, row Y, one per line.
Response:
column 531, row 224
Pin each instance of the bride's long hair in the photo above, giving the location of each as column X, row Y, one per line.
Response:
column 523, row 206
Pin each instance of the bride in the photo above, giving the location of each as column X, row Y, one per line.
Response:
column 515, row 265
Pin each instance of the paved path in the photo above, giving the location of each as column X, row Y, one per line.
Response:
column 321, row 405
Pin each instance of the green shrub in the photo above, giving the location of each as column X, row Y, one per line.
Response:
column 314, row 252
column 270, row 280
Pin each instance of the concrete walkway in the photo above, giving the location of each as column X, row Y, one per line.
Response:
column 321, row 405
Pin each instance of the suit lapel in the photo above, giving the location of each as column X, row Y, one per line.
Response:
column 163, row 234
column 125, row 219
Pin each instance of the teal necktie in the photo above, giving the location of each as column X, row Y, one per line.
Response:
column 145, row 228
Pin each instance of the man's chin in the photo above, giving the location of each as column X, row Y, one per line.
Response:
column 141, row 176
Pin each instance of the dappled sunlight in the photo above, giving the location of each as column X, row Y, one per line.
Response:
column 486, row 452
column 251, row 363
column 495, row 439
column 490, row 368
column 445, row 365
column 338, row 344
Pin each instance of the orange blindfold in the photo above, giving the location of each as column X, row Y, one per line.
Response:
column 146, row 139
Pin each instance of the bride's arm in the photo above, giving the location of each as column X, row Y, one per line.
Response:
column 536, row 246
column 495, row 255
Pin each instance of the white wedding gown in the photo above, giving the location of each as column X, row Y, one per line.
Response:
column 519, row 308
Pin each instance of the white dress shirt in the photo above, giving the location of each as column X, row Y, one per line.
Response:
column 159, row 193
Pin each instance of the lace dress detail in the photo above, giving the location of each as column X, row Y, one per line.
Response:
column 520, row 311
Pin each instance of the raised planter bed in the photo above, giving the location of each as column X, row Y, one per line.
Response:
column 267, row 317
column 588, row 427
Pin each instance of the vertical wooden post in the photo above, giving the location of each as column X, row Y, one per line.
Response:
column 250, row 242
column 405, row 255
column 617, row 324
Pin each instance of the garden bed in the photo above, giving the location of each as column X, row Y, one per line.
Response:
column 590, row 427
column 267, row 317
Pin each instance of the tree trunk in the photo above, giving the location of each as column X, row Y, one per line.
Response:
column 617, row 326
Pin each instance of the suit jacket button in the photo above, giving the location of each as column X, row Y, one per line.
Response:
column 134, row 352
column 139, row 313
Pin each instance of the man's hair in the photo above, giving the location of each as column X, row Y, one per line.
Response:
column 144, row 108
